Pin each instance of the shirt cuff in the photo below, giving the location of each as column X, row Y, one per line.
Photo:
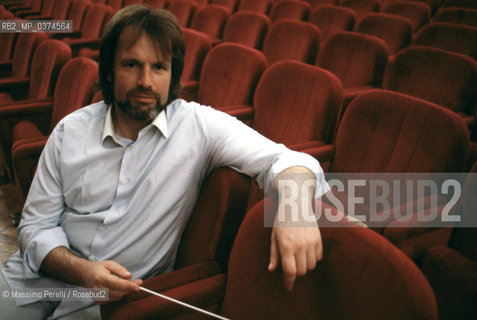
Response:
column 39, row 248
column 294, row 159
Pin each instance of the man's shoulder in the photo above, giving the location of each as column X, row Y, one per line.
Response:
column 88, row 113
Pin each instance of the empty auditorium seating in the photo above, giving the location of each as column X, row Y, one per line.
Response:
column 58, row 12
column 94, row 20
column 247, row 28
column 228, row 86
column 343, row 285
column 331, row 19
column 289, row 9
column 37, row 7
column 159, row 4
column 48, row 59
column 15, row 73
column 74, row 89
column 76, row 13
column 297, row 104
column 197, row 46
column 7, row 40
column 183, row 10
column 115, row 4
column 253, row 5
column 210, row 19
column 358, row 60
column 131, row 2
column 396, row 31
column 457, row 16
column 361, row 7
column 291, row 40
column 204, row 249
column 447, row 36
column 445, row 78
column 417, row 13
column 316, row 3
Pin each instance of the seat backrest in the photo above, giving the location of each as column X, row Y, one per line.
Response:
column 47, row 7
column 316, row 3
column 60, row 9
column 94, row 20
column 184, row 10
column 115, row 4
column 210, row 19
column 331, row 19
column 215, row 220
column 261, row 6
column 224, row 84
column 24, row 49
column 7, row 39
column 246, row 27
column 197, row 45
column 289, row 9
column 396, row 31
column 230, row 5
column 469, row 4
column 448, row 36
column 49, row 58
column 74, row 88
column 361, row 276
column 295, row 103
column 361, row 7
column 357, row 59
column 384, row 131
column 457, row 16
column 76, row 13
column 127, row 3
column 292, row 40
column 417, row 13
column 442, row 77
column 158, row 4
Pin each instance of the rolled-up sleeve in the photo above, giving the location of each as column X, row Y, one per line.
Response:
column 39, row 231
column 234, row 144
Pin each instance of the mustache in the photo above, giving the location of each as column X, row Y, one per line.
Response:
column 144, row 92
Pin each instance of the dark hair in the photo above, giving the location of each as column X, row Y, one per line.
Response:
column 160, row 25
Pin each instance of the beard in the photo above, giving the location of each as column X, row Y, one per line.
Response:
column 142, row 112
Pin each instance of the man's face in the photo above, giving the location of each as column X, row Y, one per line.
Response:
column 141, row 77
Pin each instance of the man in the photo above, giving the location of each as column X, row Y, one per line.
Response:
column 117, row 180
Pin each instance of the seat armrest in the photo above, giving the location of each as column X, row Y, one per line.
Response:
column 190, row 91
column 177, row 284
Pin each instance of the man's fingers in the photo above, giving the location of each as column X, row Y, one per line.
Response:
column 311, row 259
column 289, row 267
column 273, row 253
column 117, row 269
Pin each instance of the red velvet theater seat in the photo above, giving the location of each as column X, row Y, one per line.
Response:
column 74, row 89
column 387, row 132
column 361, row 276
column 203, row 252
column 396, row 31
column 453, row 15
column 361, row 7
column 442, row 77
column 331, row 19
column 448, row 36
column 260, row 6
column 230, row 5
column 228, row 86
column 76, row 13
column 247, row 28
column 289, row 9
column 94, row 20
column 184, row 10
column 159, row 4
column 297, row 104
column 197, row 46
column 58, row 12
column 49, row 58
column 210, row 19
column 292, row 40
column 417, row 13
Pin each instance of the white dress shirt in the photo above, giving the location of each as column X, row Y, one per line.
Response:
column 110, row 198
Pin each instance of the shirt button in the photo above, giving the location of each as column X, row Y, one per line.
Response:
column 130, row 148
column 104, row 230
column 117, row 208
column 124, row 181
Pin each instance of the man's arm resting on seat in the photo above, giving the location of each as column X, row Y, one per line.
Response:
column 62, row 264
column 297, row 247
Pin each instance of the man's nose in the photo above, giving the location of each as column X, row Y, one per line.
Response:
column 144, row 78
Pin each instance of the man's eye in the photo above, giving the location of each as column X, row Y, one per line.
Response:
column 158, row 66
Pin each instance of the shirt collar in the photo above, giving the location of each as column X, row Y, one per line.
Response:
column 160, row 122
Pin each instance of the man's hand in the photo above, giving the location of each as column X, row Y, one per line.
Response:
column 296, row 239
column 111, row 275
column 63, row 265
